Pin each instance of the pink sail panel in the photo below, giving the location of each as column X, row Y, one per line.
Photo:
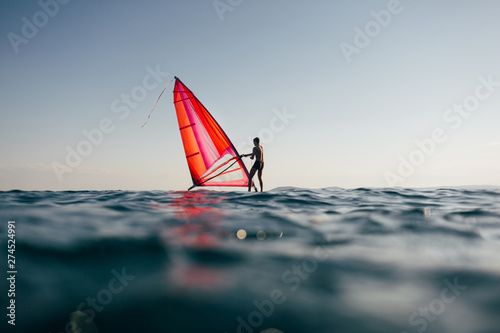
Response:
column 211, row 157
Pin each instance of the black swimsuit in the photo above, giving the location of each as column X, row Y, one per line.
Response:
column 258, row 165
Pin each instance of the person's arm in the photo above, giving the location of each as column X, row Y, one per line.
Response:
column 252, row 155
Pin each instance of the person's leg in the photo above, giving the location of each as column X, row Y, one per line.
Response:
column 260, row 179
column 250, row 182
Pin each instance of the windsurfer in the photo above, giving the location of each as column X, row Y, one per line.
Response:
column 258, row 166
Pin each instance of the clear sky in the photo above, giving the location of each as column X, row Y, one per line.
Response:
column 339, row 91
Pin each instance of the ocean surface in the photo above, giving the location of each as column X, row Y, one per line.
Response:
column 287, row 260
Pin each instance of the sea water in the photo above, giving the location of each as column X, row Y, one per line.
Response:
column 286, row 260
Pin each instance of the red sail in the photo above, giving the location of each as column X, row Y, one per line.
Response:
column 211, row 157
